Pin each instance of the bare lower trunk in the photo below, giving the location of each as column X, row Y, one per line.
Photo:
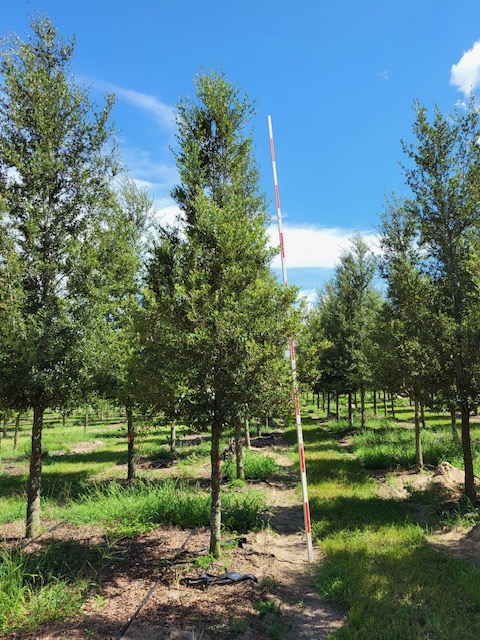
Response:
column 64, row 416
column 173, row 436
column 85, row 423
column 5, row 421
column 350, row 412
column 470, row 491
column 337, row 399
column 375, row 404
column 35, row 477
column 418, row 440
column 318, row 400
column 131, row 444
column 392, row 406
column 215, row 511
column 422, row 415
column 323, row 400
column 17, row 431
column 362, row 405
column 384, row 404
column 247, row 434
column 239, row 451
column 453, row 424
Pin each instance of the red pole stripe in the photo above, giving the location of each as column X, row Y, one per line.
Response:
column 302, row 459
column 292, row 348
column 307, row 517
column 282, row 246
column 277, row 197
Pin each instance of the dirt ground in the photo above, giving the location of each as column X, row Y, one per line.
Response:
column 276, row 556
column 150, row 569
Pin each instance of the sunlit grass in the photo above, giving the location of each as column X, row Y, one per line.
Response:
column 378, row 564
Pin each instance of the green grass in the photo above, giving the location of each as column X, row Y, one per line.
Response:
column 257, row 466
column 378, row 565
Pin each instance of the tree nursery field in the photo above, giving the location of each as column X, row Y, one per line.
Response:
column 387, row 538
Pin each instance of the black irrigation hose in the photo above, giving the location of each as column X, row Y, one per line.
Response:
column 152, row 589
column 55, row 526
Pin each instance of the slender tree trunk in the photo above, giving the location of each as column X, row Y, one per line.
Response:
column 453, row 423
column 375, row 404
column 5, row 421
column 418, row 440
column 17, row 431
column 328, row 403
column 409, row 400
column 239, row 451
column 85, row 423
column 247, row 435
column 337, row 399
column 323, row 400
column 35, row 478
column 384, row 404
column 318, row 400
column 64, row 417
column 392, row 406
column 215, row 511
column 422, row 415
column 350, row 411
column 258, row 428
column 131, row 444
column 362, row 405
column 470, row 491
column 173, row 436
column 355, row 400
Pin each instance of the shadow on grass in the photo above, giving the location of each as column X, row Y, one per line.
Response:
column 400, row 590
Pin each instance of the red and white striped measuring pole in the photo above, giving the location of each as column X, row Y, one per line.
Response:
column 298, row 418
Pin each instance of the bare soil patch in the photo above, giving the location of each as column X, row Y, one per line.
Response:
column 276, row 556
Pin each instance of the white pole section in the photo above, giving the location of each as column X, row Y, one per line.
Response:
column 298, row 418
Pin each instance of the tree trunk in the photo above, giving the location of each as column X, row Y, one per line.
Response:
column 239, row 451
column 470, row 491
column 64, row 417
column 318, row 400
column 323, row 400
column 384, row 404
column 131, row 444
column 392, row 406
column 362, row 405
column 422, row 415
column 328, row 403
column 215, row 511
column 5, row 421
column 247, row 434
column 85, row 423
column 35, row 477
column 173, row 436
column 350, row 412
column 337, row 399
column 418, row 440
column 453, row 424
column 17, row 431
column 375, row 404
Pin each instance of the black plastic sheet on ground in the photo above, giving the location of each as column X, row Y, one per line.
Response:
column 229, row 577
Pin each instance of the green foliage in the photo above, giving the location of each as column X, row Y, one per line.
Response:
column 256, row 465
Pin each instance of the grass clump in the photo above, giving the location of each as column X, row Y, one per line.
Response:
column 256, row 466
column 133, row 509
column 43, row 587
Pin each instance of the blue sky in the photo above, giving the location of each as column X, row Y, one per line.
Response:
column 338, row 78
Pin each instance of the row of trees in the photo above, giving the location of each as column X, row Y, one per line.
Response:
column 424, row 339
column 192, row 324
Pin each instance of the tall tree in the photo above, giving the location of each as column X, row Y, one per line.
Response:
column 55, row 174
column 220, row 288
column 444, row 178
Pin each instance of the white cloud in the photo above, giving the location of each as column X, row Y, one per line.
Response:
column 309, row 246
column 465, row 75
column 163, row 113
column 167, row 213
